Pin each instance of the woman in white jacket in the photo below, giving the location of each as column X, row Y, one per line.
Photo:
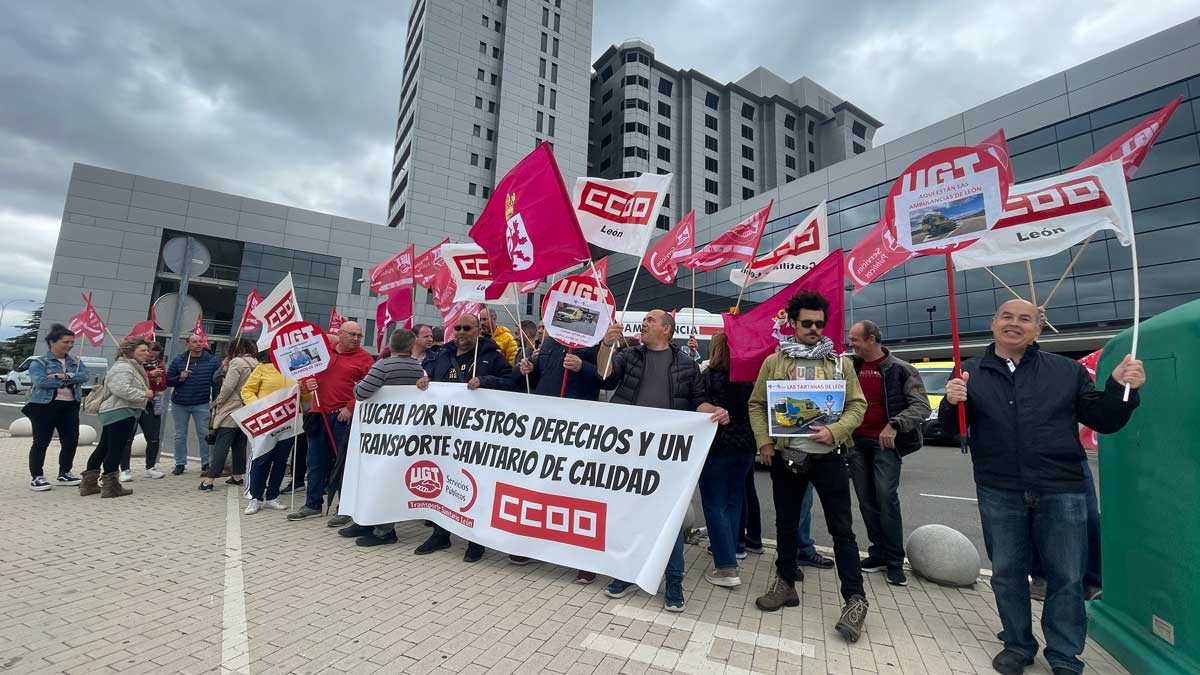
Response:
column 126, row 391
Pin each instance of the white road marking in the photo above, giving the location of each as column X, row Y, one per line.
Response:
column 964, row 499
column 13, row 405
column 235, row 645
column 694, row 657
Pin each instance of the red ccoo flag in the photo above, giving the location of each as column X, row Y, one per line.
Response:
column 529, row 229
column 663, row 259
column 88, row 323
column 250, row 323
column 335, row 321
column 144, row 329
column 739, row 243
column 755, row 335
column 1131, row 147
column 425, row 268
column 394, row 273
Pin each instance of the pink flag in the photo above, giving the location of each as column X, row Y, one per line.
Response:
column 601, row 272
column 426, row 265
column 143, row 329
column 1131, row 147
column 1088, row 436
column 335, row 320
column 529, row 286
column 528, row 228
column 755, row 335
column 739, row 243
column 443, row 288
column 198, row 329
column 249, row 323
column 394, row 273
column 663, row 259
column 394, row 308
column 88, row 323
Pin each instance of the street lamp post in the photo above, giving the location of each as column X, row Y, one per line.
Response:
column 4, row 308
column 931, row 309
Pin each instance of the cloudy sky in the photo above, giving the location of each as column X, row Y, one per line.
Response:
column 294, row 102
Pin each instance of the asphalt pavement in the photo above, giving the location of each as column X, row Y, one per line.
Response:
column 936, row 486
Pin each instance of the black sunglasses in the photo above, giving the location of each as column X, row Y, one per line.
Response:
column 809, row 323
column 463, row 328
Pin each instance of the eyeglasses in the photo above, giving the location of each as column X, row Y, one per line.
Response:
column 462, row 329
column 809, row 323
column 355, row 335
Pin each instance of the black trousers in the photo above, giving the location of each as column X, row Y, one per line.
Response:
column 831, row 481
column 113, row 440
column 228, row 437
column 151, row 426
column 46, row 418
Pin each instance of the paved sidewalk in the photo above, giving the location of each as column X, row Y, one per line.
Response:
column 172, row 580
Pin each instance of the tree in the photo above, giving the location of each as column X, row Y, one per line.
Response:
column 23, row 344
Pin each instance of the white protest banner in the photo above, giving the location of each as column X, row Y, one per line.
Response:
column 799, row 252
column 793, row 406
column 586, row 486
column 620, row 215
column 468, row 267
column 270, row 419
column 1048, row 216
column 299, row 350
column 276, row 310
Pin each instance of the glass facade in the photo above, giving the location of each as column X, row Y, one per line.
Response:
column 910, row 302
column 314, row 276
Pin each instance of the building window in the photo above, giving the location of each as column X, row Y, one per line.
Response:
column 557, row 19
column 475, row 131
column 747, row 173
column 495, row 52
column 748, row 111
column 637, row 127
column 711, row 100
column 629, row 174
column 789, row 179
column 664, row 109
column 747, row 193
column 748, row 153
column 664, row 131
column 710, row 186
column 486, row 191
column 664, row 222
column 554, row 52
column 789, row 162
column 859, row 149
column 606, row 73
column 631, row 57
column 812, row 126
column 812, row 166
column 606, row 119
column 607, row 95
column 664, row 87
column 491, row 106
column 487, row 163
column 541, row 94
column 483, row 48
column 546, row 17
column 553, row 99
column 811, row 147
column 491, row 134
column 545, row 42
column 630, row 103
column 539, row 121
column 664, row 153
column 542, row 68
column 789, row 142
column 747, row 132
column 710, row 143
column 859, row 129
column 640, row 153
column 710, row 207
column 667, row 201
column 710, row 122
column 486, row 21
column 470, row 218
column 710, row 164
column 498, row 26
column 494, row 78
column 479, row 74
column 356, row 281
column 479, row 103
column 789, row 123
column 550, row 126
column 471, row 188
column 474, row 159
column 605, row 141
column 554, row 72
column 605, row 164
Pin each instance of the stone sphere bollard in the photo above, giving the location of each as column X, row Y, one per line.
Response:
column 21, row 427
column 943, row 555
column 139, row 446
column 87, row 435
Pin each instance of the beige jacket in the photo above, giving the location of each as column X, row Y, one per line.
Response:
column 125, row 386
column 230, row 398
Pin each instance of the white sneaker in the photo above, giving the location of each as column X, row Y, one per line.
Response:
column 153, row 473
column 252, row 507
column 274, row 504
column 126, row 476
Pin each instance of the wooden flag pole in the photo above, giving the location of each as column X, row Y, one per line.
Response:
column 475, row 360
column 1070, row 266
column 1032, row 288
column 1014, row 293
column 522, row 334
column 745, row 278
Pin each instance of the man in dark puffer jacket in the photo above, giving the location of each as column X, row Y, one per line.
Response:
column 1023, row 412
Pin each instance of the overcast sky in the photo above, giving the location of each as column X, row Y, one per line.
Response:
column 295, row 102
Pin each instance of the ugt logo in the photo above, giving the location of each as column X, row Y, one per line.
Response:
column 424, row 479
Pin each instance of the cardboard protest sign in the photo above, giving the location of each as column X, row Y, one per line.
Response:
column 577, row 311
column 793, row 406
column 587, row 486
column 300, row 350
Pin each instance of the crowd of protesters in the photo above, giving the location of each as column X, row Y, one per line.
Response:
column 1034, row 489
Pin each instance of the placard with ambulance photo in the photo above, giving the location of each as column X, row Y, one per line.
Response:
column 794, row 406
column 575, row 321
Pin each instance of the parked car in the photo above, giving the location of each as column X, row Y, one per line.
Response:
column 17, row 379
column 935, row 374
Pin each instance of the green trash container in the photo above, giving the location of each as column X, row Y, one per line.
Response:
column 1149, row 617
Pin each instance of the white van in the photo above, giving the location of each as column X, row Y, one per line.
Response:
column 704, row 325
column 17, row 379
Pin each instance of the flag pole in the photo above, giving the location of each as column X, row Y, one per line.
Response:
column 475, row 359
column 1015, row 294
column 745, row 278
column 1137, row 307
column 1032, row 288
column 962, row 409
column 1070, row 266
column 299, row 421
column 694, row 299
column 522, row 334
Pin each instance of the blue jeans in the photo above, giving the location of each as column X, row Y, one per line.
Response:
column 321, row 455
column 1016, row 523
column 722, row 491
column 1091, row 574
column 199, row 415
column 876, row 475
column 266, row 472
column 675, row 568
column 807, row 547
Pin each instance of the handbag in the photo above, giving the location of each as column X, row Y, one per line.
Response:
column 91, row 404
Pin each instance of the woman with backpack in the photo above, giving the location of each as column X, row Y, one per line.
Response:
column 121, row 399
column 242, row 362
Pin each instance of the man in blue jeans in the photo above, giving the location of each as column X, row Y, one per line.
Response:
column 1023, row 408
column 1093, row 584
column 191, row 375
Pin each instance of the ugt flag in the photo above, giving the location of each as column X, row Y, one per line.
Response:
column 394, row 307
column 755, row 335
column 276, row 311
column 528, row 230
column 143, row 329
column 249, row 323
column 1131, row 147
column 619, row 215
column 799, row 252
column 426, row 266
column 739, row 243
column 270, row 419
column 198, row 331
column 335, row 321
column 88, row 323
column 662, row 262
column 393, row 273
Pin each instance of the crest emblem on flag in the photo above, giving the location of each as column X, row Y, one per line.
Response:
column 520, row 247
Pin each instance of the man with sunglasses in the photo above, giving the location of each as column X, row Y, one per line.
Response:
column 333, row 399
column 797, row 462
column 458, row 362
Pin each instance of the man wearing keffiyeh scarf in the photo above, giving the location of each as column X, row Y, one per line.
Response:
column 797, row 462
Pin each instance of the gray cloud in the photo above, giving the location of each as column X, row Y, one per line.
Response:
column 295, row 102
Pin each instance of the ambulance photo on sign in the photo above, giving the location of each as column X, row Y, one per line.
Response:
column 945, row 214
column 795, row 406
